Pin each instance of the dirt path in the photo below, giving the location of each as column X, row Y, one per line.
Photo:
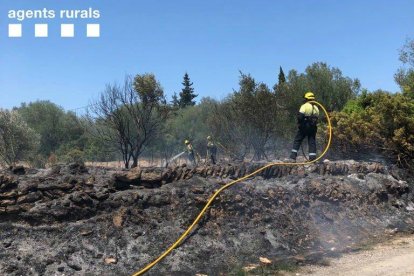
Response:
column 395, row 257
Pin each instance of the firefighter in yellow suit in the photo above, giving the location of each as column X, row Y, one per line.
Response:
column 307, row 119
column 211, row 151
column 190, row 152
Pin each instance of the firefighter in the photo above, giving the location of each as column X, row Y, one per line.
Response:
column 190, row 152
column 307, row 127
column 211, row 150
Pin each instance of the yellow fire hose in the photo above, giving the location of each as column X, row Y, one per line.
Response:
column 210, row 201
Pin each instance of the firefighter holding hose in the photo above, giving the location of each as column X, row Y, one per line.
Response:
column 190, row 152
column 307, row 119
column 211, row 151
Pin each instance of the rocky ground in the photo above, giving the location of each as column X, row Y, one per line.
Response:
column 73, row 220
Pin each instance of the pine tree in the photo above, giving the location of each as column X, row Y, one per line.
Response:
column 278, row 87
column 187, row 93
column 175, row 102
column 282, row 78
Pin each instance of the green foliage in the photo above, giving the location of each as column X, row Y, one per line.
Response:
column 380, row 122
column 281, row 77
column 329, row 85
column 187, row 94
column 356, row 105
column 248, row 118
column 18, row 142
column 405, row 76
column 99, row 150
column 187, row 123
column 37, row 160
column 175, row 101
column 74, row 155
column 148, row 89
column 253, row 121
column 55, row 126
column 407, row 52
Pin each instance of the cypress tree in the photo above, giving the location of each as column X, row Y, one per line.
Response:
column 282, row 78
column 187, row 93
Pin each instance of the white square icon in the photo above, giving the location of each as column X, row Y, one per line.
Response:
column 41, row 30
column 15, row 30
column 92, row 30
column 67, row 30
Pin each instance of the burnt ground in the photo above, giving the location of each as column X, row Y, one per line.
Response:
column 73, row 220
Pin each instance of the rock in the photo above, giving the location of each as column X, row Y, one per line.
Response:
column 86, row 232
column 29, row 198
column 131, row 176
column 7, row 202
column 123, row 180
column 299, row 258
column 26, row 206
column 7, row 244
column 119, row 217
column 55, row 169
column 45, row 186
column 7, row 183
column 81, row 198
column 19, row 170
column 197, row 190
column 238, row 198
column 410, row 206
column 200, row 200
column 111, row 260
column 74, row 266
column 151, row 176
column 250, row 267
column 7, row 195
column 264, row 260
column 12, row 209
column 90, row 180
column 74, row 168
column 101, row 196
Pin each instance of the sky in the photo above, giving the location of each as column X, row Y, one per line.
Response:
column 211, row 40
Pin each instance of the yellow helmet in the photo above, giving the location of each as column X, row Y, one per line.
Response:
column 209, row 137
column 186, row 142
column 309, row 96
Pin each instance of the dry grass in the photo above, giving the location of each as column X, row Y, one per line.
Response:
column 142, row 162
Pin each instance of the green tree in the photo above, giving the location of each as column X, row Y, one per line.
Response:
column 329, row 85
column 55, row 126
column 175, row 101
column 405, row 75
column 190, row 123
column 281, row 77
column 187, row 94
column 18, row 142
column 248, row 119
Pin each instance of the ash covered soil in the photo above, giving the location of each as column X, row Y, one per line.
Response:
column 73, row 220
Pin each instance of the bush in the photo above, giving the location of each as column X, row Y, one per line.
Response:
column 381, row 122
column 74, row 155
column 18, row 142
